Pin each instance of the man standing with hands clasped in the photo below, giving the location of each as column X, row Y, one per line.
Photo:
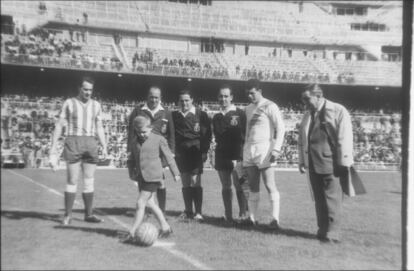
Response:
column 325, row 150
column 265, row 133
column 81, row 116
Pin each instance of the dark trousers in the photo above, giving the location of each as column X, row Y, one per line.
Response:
column 328, row 203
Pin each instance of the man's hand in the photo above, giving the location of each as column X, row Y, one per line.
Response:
column 274, row 155
column 177, row 178
column 340, row 171
column 302, row 168
column 53, row 161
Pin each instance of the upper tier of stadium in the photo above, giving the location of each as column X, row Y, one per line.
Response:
column 333, row 42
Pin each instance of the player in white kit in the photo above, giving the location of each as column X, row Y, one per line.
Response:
column 265, row 132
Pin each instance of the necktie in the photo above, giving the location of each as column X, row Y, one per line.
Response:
column 312, row 123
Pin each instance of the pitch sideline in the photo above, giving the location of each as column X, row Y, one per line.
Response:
column 167, row 246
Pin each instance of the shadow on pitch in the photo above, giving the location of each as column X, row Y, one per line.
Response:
column 103, row 231
column 109, row 211
column 219, row 222
column 118, row 234
column 17, row 215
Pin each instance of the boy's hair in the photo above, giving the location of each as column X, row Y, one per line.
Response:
column 141, row 121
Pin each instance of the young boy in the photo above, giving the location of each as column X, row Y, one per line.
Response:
column 147, row 149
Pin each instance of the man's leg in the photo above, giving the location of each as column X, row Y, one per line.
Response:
column 197, row 193
column 333, row 196
column 187, row 194
column 88, row 192
column 241, row 186
column 268, row 175
column 226, row 193
column 253, row 175
column 321, row 207
column 73, row 173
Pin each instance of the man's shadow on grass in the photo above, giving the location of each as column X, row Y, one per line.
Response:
column 18, row 215
column 120, row 235
column 109, row 211
column 219, row 222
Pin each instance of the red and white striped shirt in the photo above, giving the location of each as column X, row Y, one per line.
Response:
column 81, row 118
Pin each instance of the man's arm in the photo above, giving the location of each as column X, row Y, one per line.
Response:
column 344, row 139
column 302, row 168
column 206, row 134
column 171, row 131
column 57, row 132
column 275, row 116
column 130, row 128
column 101, row 134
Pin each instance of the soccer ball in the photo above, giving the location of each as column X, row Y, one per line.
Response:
column 146, row 234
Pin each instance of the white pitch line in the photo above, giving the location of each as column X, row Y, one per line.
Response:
column 167, row 246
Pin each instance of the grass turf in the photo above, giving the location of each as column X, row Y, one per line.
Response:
column 32, row 237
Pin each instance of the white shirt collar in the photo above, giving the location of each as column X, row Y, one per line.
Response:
column 158, row 108
column 192, row 110
column 232, row 107
column 320, row 106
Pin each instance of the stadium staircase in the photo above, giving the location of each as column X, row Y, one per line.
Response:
column 121, row 54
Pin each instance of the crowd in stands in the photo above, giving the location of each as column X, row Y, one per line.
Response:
column 49, row 47
column 29, row 123
column 276, row 75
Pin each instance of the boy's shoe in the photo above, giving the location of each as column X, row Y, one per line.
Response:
column 165, row 233
column 93, row 219
column 198, row 217
column 67, row 220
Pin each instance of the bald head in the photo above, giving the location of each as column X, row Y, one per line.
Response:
column 154, row 97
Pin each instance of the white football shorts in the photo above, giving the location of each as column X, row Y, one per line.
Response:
column 257, row 154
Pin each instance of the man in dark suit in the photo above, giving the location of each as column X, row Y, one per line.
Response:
column 162, row 124
column 325, row 150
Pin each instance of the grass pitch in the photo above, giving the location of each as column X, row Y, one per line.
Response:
column 32, row 238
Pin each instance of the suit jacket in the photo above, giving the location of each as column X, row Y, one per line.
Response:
column 147, row 158
column 314, row 144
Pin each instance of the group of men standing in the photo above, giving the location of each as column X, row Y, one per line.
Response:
column 248, row 142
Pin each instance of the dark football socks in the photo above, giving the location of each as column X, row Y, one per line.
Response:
column 227, row 195
column 69, row 201
column 88, row 201
column 188, row 200
column 198, row 198
column 242, row 201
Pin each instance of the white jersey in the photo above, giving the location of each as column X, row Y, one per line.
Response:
column 264, row 124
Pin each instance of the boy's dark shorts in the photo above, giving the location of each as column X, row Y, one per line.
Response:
column 81, row 148
column 189, row 160
column 148, row 186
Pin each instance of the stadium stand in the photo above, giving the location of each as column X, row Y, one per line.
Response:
column 309, row 39
column 356, row 43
